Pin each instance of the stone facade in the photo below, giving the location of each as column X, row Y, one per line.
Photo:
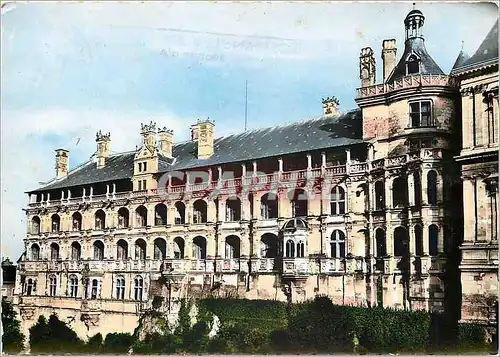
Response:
column 366, row 219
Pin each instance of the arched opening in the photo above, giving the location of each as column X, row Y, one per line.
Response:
column 433, row 239
column 432, row 188
column 362, row 191
column 52, row 285
column 412, row 65
column 120, row 288
column 123, row 218
column 76, row 251
column 93, row 290
column 401, row 242
column 290, row 249
column 100, row 219
column 199, row 248
column 417, row 182
column 180, row 213
column 160, row 214
column 269, row 206
column 233, row 209
column 337, row 244
column 380, row 243
column 141, row 214
column 138, row 287
column 298, row 199
column 77, row 221
column 55, row 223
column 160, row 246
column 379, row 195
column 73, row 286
column 35, row 252
column 140, row 249
column 268, row 246
column 399, row 192
column 121, row 250
column 98, row 250
column 300, row 249
column 337, row 201
column 178, row 248
column 199, row 211
column 54, row 251
column 35, row 225
column 30, row 287
column 232, row 247
column 419, row 242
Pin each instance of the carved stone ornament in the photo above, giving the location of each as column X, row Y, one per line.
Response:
column 90, row 320
column 27, row 313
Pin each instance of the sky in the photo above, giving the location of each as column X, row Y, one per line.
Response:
column 71, row 69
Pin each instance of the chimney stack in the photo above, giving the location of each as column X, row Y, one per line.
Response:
column 388, row 57
column 148, row 132
column 103, row 143
column 62, row 163
column 367, row 67
column 166, row 138
column 330, row 106
column 204, row 132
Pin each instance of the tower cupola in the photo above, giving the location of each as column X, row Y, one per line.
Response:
column 414, row 22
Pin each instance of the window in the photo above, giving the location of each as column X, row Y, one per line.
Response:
column 298, row 199
column 412, row 65
column 76, row 251
column 300, row 250
column 337, row 201
column 120, row 288
column 144, row 185
column 290, row 249
column 54, row 251
column 139, row 185
column 52, row 285
column 30, row 287
column 419, row 244
column 381, row 250
column 73, row 286
column 421, row 114
column 160, row 215
column 417, row 182
column 401, row 247
column 199, row 248
column 138, row 288
column 140, row 249
column 232, row 247
column 269, row 206
column 268, row 246
column 432, row 187
column 139, row 165
column 144, row 166
column 93, row 291
column 399, row 192
column 98, row 250
column 35, row 225
column 199, row 211
column 178, row 248
column 35, row 252
column 337, row 244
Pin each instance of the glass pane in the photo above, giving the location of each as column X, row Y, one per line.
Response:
column 414, row 107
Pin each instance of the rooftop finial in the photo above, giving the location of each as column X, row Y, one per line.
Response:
column 413, row 6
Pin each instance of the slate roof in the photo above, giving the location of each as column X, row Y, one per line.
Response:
column 427, row 64
column 486, row 54
column 461, row 59
column 313, row 134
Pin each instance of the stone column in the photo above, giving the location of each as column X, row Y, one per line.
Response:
column 425, row 198
column 411, row 189
column 245, row 209
column 469, row 206
column 425, row 238
column 212, row 211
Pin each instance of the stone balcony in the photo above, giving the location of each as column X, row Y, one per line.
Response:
column 259, row 182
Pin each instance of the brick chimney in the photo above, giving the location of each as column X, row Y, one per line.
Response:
column 62, row 163
column 103, row 144
column 203, row 132
column 166, row 139
column 330, row 106
column 388, row 57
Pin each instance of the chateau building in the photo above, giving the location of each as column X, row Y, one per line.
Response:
column 478, row 158
column 359, row 205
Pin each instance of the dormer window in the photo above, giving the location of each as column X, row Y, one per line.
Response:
column 142, row 166
column 421, row 114
column 412, row 65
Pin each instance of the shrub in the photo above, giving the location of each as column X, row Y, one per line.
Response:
column 94, row 344
column 12, row 338
column 118, row 342
column 54, row 336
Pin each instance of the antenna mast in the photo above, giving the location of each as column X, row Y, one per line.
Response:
column 246, row 103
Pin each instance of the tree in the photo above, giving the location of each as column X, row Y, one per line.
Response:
column 53, row 336
column 12, row 338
